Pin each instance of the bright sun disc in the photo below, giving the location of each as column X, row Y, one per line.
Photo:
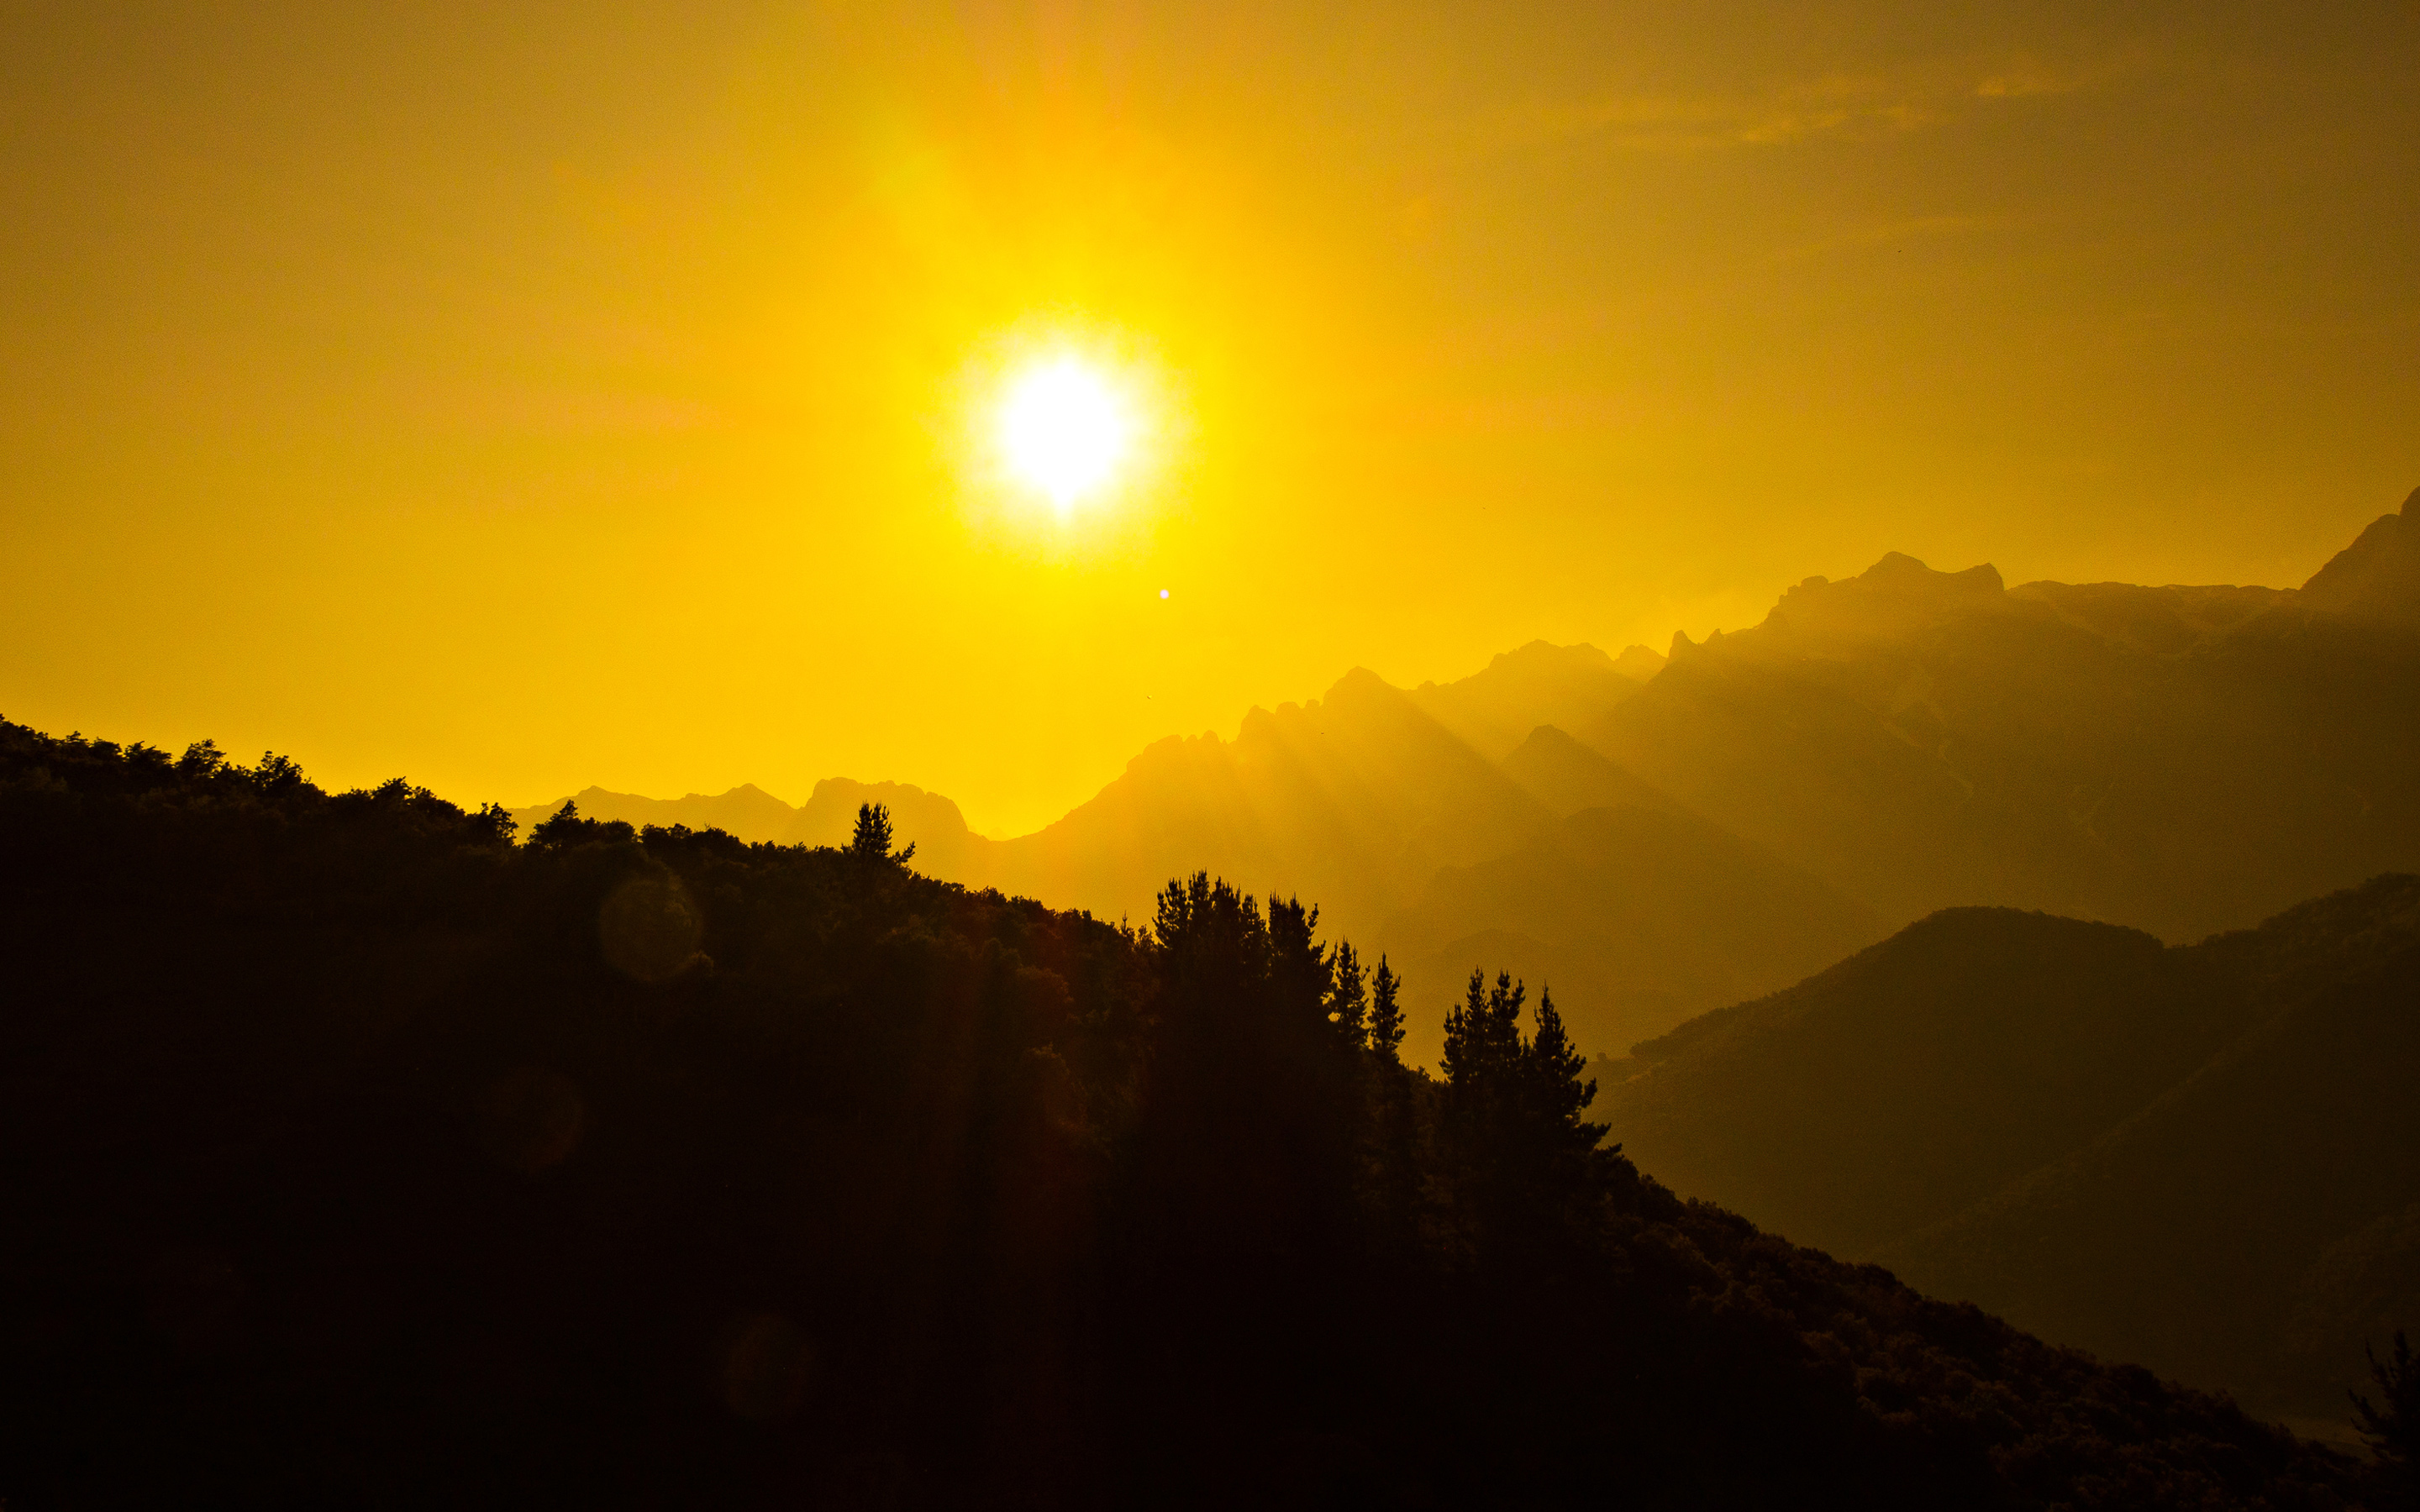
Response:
column 1063, row 430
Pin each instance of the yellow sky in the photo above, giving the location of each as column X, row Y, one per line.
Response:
column 582, row 395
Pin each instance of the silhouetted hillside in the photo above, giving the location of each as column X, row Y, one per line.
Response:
column 358, row 1157
column 2182, row 1155
column 2251, row 1226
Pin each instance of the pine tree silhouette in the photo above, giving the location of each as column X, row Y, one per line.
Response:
column 1558, row 1095
column 872, row 840
column 1386, row 1014
column 1348, row 999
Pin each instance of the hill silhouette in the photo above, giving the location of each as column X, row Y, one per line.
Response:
column 2194, row 1233
column 361, row 1157
column 2201, row 1157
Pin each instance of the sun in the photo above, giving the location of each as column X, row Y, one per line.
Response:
column 1063, row 429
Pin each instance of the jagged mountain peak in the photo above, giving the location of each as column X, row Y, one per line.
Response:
column 1495, row 709
column 1542, row 655
column 1638, row 663
column 1360, row 686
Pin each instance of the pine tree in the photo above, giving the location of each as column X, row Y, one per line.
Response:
column 1466, row 1035
column 1513, row 1108
column 1348, row 1000
column 1300, row 972
column 1556, row 1094
column 1483, row 1037
column 872, row 840
column 1386, row 1016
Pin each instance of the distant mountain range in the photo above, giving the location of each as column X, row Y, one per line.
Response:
column 2206, row 1158
column 1688, row 832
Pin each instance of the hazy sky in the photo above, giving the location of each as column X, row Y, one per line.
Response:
column 584, row 393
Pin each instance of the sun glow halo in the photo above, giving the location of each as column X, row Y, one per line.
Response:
column 1063, row 430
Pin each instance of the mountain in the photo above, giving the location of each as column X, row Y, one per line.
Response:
column 2112, row 1141
column 1919, row 1076
column 1636, row 911
column 1493, row 710
column 1567, row 777
column 747, row 811
column 2179, row 760
column 750, row 813
column 2251, row 1225
column 1641, row 911
column 2376, row 578
column 927, row 821
column 1367, row 799
column 1356, row 797
column 358, row 1156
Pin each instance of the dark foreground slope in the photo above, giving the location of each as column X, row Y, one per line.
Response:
column 354, row 1156
column 2202, row 1157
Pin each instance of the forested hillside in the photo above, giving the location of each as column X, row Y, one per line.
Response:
column 2203, row 1157
column 360, row 1156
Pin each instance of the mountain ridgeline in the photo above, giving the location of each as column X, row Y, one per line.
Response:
column 1675, row 835
column 2204, row 1158
column 359, row 1156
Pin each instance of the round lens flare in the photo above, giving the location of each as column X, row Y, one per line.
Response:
column 1063, row 430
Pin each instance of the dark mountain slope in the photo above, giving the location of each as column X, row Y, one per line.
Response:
column 2201, row 1231
column 2199, row 1156
column 1920, row 1075
column 356, row 1157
